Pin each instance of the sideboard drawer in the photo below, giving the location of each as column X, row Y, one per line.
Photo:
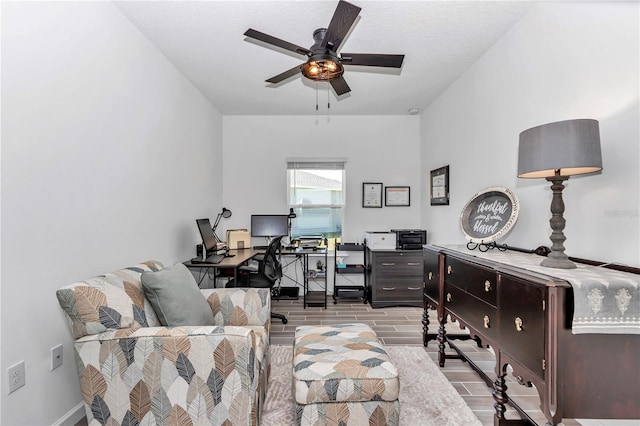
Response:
column 483, row 287
column 522, row 322
column 479, row 281
column 476, row 313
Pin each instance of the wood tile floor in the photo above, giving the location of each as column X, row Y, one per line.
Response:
column 403, row 326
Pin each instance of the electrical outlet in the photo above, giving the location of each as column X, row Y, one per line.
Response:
column 16, row 376
column 56, row 357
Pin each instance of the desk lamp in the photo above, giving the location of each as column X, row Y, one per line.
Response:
column 556, row 151
column 290, row 216
column 226, row 213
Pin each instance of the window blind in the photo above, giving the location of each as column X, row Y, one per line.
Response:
column 316, row 193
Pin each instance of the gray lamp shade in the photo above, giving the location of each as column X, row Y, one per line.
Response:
column 572, row 147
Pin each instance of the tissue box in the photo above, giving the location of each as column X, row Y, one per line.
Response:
column 238, row 239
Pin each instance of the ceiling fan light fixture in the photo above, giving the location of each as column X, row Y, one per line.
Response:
column 322, row 67
column 322, row 60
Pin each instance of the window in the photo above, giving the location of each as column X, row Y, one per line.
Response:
column 316, row 194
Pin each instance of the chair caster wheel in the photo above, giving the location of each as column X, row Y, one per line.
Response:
column 284, row 321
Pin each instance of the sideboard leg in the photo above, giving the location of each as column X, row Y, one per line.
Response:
column 442, row 339
column 500, row 397
column 425, row 325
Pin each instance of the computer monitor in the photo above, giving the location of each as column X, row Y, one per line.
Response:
column 269, row 225
column 208, row 238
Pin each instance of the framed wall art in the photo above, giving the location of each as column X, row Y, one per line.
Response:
column 372, row 194
column 439, row 184
column 397, row 196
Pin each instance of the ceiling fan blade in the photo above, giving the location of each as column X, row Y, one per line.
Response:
column 285, row 75
column 343, row 18
column 276, row 42
column 340, row 85
column 372, row 60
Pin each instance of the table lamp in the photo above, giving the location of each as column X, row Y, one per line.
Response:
column 226, row 213
column 556, row 151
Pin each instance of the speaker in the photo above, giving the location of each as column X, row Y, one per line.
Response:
column 199, row 250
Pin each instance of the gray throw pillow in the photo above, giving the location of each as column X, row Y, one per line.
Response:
column 176, row 298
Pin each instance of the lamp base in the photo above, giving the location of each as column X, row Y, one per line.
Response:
column 560, row 262
column 557, row 258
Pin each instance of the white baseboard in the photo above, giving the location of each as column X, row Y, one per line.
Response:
column 72, row 416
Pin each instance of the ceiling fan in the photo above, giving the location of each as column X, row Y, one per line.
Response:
column 323, row 62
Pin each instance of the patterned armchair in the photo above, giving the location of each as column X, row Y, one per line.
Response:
column 132, row 370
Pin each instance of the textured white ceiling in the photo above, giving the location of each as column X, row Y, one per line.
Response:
column 205, row 41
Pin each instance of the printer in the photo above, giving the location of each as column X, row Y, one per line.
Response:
column 410, row 239
column 376, row 240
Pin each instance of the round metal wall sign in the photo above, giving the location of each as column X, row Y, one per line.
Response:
column 489, row 215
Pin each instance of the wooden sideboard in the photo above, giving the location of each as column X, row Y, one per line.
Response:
column 525, row 317
column 394, row 277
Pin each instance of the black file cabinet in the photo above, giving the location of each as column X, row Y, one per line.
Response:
column 395, row 277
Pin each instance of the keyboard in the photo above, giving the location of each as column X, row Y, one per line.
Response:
column 214, row 258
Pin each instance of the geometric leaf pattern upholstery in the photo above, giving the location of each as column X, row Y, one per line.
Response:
column 343, row 375
column 133, row 371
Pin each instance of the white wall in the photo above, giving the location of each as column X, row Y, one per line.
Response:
column 377, row 149
column 561, row 61
column 108, row 155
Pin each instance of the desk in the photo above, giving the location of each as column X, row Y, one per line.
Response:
column 241, row 257
column 310, row 298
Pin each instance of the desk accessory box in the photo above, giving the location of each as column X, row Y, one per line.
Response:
column 238, row 239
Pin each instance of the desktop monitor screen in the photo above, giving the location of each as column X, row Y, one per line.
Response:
column 269, row 225
column 206, row 232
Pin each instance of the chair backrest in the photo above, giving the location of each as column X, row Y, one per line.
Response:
column 270, row 265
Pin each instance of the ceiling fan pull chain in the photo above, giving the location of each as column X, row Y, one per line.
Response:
column 316, row 95
column 328, row 101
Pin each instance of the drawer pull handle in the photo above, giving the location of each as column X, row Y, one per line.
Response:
column 449, row 297
column 487, row 321
column 487, row 286
column 413, row 263
column 388, row 264
column 388, row 288
column 449, row 270
column 518, row 322
column 430, row 275
column 414, row 288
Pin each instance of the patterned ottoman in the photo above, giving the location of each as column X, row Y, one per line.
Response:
column 343, row 376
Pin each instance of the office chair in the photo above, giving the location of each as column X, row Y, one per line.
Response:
column 268, row 274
